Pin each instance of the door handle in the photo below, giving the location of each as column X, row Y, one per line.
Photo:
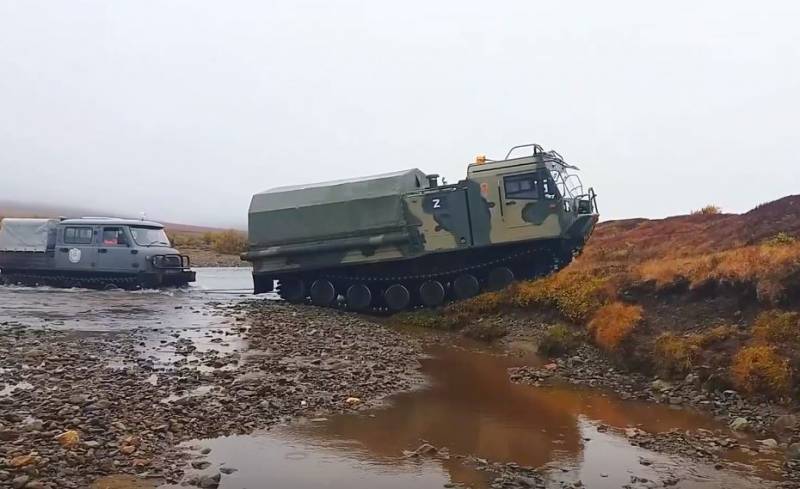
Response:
column 102, row 250
column 64, row 250
column 511, row 202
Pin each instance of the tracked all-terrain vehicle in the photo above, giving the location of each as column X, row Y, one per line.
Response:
column 92, row 252
column 402, row 240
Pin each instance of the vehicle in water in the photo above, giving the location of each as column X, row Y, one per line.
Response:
column 92, row 252
column 403, row 240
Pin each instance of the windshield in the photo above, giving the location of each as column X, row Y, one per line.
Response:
column 149, row 236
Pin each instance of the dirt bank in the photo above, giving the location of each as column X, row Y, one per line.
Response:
column 86, row 405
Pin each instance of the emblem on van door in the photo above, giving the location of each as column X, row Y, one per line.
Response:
column 74, row 255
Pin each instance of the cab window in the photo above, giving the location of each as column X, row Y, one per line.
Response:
column 114, row 237
column 525, row 186
column 78, row 235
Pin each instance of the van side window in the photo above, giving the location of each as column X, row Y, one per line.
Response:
column 525, row 186
column 114, row 237
column 78, row 235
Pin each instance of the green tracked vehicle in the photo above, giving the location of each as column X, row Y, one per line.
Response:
column 403, row 240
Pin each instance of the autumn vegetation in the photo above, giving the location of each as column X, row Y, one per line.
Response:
column 745, row 268
column 227, row 242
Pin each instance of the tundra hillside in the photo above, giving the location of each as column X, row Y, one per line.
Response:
column 211, row 248
column 711, row 296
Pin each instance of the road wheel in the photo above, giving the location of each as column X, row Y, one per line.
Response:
column 500, row 278
column 397, row 297
column 322, row 292
column 359, row 297
column 292, row 290
column 431, row 293
column 466, row 286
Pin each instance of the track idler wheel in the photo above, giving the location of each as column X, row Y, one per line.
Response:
column 292, row 290
column 358, row 297
column 500, row 278
column 431, row 293
column 322, row 292
column 466, row 286
column 397, row 297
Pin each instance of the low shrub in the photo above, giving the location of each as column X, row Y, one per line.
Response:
column 229, row 242
column 674, row 354
column 708, row 210
column 780, row 239
column 613, row 323
column 777, row 327
column 559, row 340
column 761, row 370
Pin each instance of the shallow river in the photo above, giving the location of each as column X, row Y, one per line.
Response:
column 469, row 407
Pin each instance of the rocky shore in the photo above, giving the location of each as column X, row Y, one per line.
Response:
column 79, row 406
column 766, row 430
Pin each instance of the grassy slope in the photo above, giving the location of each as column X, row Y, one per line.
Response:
column 671, row 295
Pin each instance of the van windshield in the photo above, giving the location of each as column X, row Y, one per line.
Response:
column 149, row 236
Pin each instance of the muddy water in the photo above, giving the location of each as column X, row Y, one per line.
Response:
column 471, row 409
column 100, row 310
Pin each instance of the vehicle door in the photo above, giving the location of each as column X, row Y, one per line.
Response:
column 531, row 200
column 114, row 250
column 75, row 248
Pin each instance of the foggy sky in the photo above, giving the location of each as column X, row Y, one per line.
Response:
column 183, row 109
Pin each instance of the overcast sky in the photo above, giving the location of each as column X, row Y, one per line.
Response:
column 183, row 109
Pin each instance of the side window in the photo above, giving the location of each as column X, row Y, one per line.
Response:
column 114, row 237
column 525, row 186
column 78, row 235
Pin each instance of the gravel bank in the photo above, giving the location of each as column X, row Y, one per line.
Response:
column 79, row 406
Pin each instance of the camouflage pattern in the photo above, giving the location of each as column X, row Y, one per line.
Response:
column 401, row 216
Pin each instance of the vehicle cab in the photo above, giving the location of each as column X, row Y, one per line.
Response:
column 534, row 194
column 122, row 248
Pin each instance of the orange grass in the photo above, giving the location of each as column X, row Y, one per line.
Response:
column 760, row 369
column 613, row 323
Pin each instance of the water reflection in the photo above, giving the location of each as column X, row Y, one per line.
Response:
column 472, row 409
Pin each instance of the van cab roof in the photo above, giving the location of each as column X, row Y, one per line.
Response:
column 111, row 221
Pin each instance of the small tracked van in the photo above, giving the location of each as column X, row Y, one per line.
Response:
column 93, row 252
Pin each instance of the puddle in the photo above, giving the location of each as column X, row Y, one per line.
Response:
column 10, row 388
column 472, row 409
column 122, row 482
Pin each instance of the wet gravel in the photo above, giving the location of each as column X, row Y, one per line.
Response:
column 101, row 403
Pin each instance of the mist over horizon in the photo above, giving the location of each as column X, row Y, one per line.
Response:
column 183, row 110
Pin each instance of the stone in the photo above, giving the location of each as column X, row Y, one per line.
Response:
column 209, row 481
column 352, row 401
column 659, row 385
column 769, row 443
column 786, row 422
column 227, row 470
column 740, row 424
column 19, row 482
column 22, row 461
column 201, row 464
column 793, row 452
column 68, row 439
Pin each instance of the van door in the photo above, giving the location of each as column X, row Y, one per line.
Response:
column 114, row 250
column 75, row 249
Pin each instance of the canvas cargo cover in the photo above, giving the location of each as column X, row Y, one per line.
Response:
column 331, row 209
column 25, row 234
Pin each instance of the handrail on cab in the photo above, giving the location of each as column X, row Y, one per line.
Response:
column 536, row 149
